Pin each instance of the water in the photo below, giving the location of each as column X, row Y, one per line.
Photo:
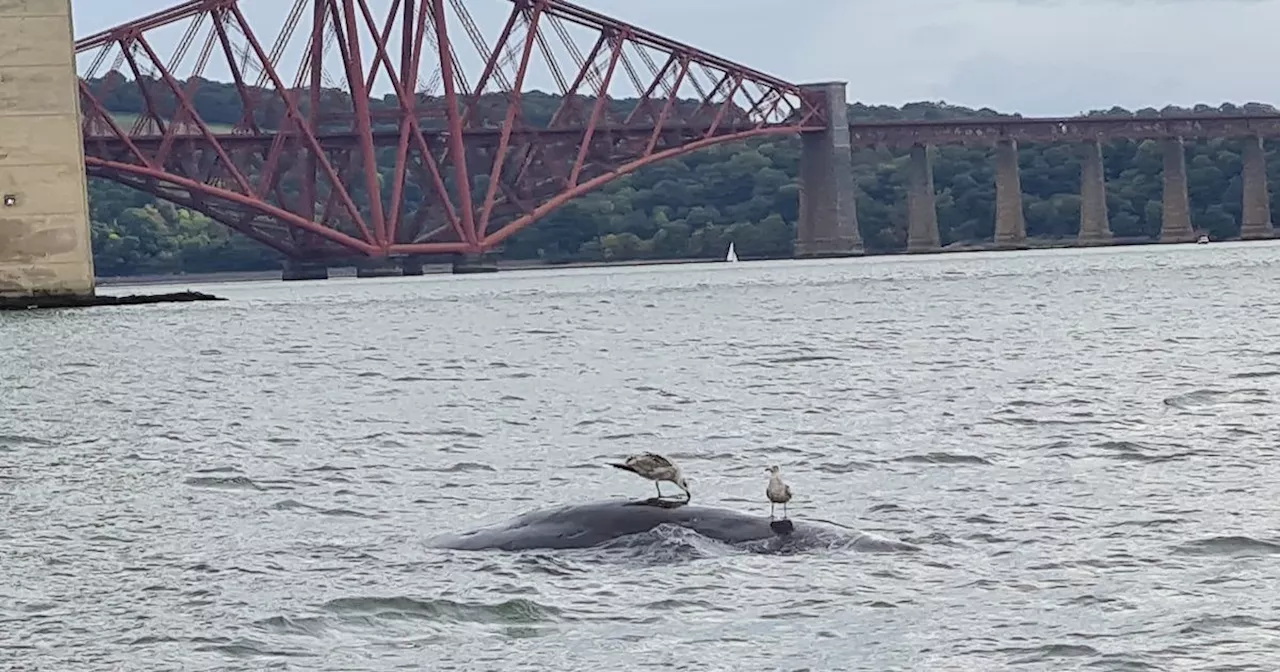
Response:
column 1083, row 443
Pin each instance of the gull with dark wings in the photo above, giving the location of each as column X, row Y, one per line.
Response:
column 657, row 469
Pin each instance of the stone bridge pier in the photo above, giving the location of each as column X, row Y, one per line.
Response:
column 828, row 225
column 1175, row 216
column 1255, row 219
column 1011, row 223
column 45, row 252
column 1095, row 223
column 922, row 206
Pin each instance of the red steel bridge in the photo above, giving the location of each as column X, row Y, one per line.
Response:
column 406, row 131
column 375, row 129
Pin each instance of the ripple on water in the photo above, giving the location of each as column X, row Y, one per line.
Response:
column 299, row 507
column 442, row 610
column 459, row 467
column 1237, row 546
column 224, row 483
column 943, row 458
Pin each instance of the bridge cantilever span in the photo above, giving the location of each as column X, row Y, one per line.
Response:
column 413, row 132
column 420, row 131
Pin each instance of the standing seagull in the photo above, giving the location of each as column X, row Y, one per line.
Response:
column 657, row 469
column 777, row 491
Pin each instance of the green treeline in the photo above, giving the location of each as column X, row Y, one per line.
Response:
column 745, row 192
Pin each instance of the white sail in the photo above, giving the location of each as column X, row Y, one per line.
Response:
column 732, row 256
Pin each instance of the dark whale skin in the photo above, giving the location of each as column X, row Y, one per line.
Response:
column 588, row 525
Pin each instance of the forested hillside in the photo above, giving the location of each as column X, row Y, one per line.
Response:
column 693, row 206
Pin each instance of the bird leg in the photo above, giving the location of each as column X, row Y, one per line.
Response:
column 784, row 510
column 771, row 505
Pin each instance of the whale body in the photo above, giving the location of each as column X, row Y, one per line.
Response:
column 592, row 524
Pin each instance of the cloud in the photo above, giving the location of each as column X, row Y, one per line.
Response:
column 1053, row 57
column 1038, row 57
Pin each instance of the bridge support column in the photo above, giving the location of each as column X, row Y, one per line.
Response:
column 1175, row 225
column 922, row 208
column 304, row 270
column 466, row 264
column 378, row 268
column 1095, row 225
column 390, row 268
column 45, row 245
column 1011, row 224
column 1255, row 221
column 828, row 224
column 412, row 266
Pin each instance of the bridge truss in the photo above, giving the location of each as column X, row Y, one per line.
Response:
column 353, row 132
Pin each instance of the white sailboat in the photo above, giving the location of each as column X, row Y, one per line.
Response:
column 732, row 256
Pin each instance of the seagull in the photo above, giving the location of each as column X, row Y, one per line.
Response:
column 655, row 468
column 777, row 491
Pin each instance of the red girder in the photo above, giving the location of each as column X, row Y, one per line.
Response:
column 360, row 147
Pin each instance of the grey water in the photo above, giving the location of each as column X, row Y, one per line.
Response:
column 1082, row 443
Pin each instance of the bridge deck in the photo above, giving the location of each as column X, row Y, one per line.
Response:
column 1060, row 129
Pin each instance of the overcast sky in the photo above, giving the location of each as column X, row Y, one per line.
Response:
column 1038, row 57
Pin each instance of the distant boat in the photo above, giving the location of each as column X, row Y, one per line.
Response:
column 1204, row 240
column 732, row 256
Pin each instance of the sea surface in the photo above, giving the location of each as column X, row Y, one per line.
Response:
column 1083, row 445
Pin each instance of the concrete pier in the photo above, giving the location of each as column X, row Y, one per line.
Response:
column 922, row 206
column 412, row 266
column 1011, row 223
column 385, row 268
column 304, row 270
column 392, row 267
column 1095, row 225
column 45, row 245
column 365, row 267
column 1175, row 226
column 466, row 264
column 828, row 225
column 1255, row 221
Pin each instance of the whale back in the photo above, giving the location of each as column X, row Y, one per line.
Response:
column 587, row 525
